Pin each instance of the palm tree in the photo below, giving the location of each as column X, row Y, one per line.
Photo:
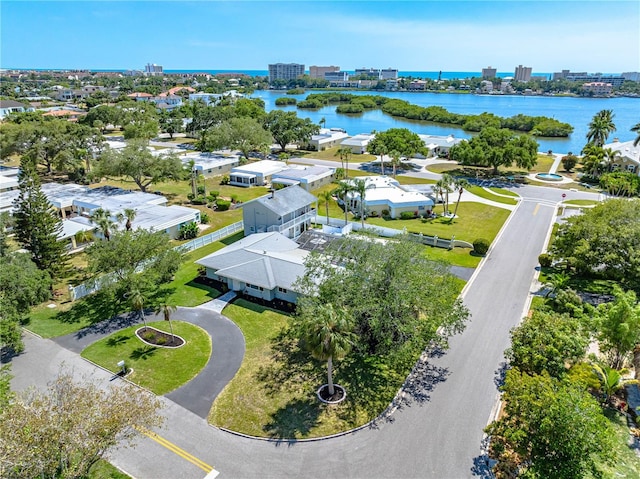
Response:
column 445, row 183
column 138, row 299
column 360, row 186
column 611, row 380
column 459, row 184
column 592, row 158
column 342, row 191
column 557, row 282
column 345, row 154
column 102, row 218
column 129, row 214
column 382, row 150
column 610, row 156
column 395, row 160
column 167, row 310
column 323, row 122
column 600, row 127
column 636, row 129
column 438, row 191
column 326, row 196
column 328, row 335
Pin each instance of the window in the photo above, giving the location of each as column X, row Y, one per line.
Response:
column 282, row 290
column 253, row 286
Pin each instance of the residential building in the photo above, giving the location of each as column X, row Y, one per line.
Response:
column 629, row 159
column 566, row 73
column 614, row 80
column 389, row 74
column 320, row 72
column 417, row 85
column 336, row 76
column 288, row 211
column 8, row 178
column 391, row 85
column 305, row 176
column 439, row 145
column 631, row 76
column 11, row 106
column 358, row 143
column 327, row 138
column 486, row 86
column 489, row 72
column 262, row 265
column 285, row 71
column 384, row 195
column 597, row 88
column 370, row 72
column 522, row 74
column 210, row 164
column 69, row 115
column 151, row 69
column 255, row 174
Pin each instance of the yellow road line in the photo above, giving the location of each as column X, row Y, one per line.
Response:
column 535, row 211
column 176, row 450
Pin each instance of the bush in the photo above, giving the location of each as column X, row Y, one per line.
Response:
column 481, row 246
column 201, row 190
column 407, row 215
column 385, row 213
column 234, row 198
column 204, row 218
column 545, row 260
column 188, row 231
column 199, row 200
column 213, row 195
column 222, row 205
column 224, row 180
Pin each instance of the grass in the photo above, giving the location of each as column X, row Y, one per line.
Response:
column 482, row 193
column 503, row 191
column 158, row 369
column 464, row 257
column 580, row 203
column 273, row 393
column 103, row 470
column 543, row 166
column 627, row 464
column 410, row 180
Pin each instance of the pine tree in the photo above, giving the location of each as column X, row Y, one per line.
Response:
column 36, row 224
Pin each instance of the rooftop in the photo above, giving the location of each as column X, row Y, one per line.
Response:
column 285, row 200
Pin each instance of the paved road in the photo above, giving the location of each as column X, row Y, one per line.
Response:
column 436, row 433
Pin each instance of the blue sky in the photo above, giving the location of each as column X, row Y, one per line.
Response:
column 592, row 36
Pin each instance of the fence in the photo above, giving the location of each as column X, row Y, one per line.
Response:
column 82, row 290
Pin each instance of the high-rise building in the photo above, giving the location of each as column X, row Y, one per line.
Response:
column 522, row 74
column 285, row 71
column 336, row 76
column 318, row 72
column 489, row 72
column 369, row 72
column 389, row 74
column 151, row 69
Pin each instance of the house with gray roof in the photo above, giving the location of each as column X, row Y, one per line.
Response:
column 11, row 106
column 288, row 211
column 262, row 265
column 306, row 176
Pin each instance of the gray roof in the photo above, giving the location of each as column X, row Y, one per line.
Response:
column 268, row 260
column 11, row 104
column 285, row 200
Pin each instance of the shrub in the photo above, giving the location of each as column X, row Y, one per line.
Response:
column 569, row 161
column 201, row 190
column 545, row 260
column 222, row 205
column 213, row 195
column 149, row 336
column 234, row 198
column 199, row 200
column 204, row 218
column 481, row 246
column 407, row 215
column 190, row 196
column 224, row 180
column 161, row 340
column 385, row 213
column 188, row 231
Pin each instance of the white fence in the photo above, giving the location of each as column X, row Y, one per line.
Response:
column 82, row 290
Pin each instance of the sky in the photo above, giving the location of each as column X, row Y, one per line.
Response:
column 420, row 35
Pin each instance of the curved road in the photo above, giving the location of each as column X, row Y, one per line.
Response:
column 437, row 431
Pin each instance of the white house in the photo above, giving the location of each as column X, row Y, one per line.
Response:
column 211, row 164
column 305, row 176
column 439, row 145
column 385, row 194
column 358, row 143
column 11, row 106
column 8, row 178
column 257, row 173
column 327, row 138
column 629, row 156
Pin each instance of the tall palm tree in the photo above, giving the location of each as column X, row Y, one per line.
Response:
column 636, row 129
column 102, row 218
column 600, row 127
column 138, row 299
column 395, row 160
column 610, row 157
column 459, row 184
column 445, row 183
column 129, row 214
column 438, row 191
column 382, row 150
column 323, row 122
column 360, row 186
column 345, row 154
column 592, row 158
column 342, row 191
column 328, row 336
column 326, row 197
column 167, row 310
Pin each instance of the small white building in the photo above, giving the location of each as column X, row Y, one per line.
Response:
column 327, row 138
column 358, row 143
column 211, row 164
column 11, row 106
column 439, row 145
column 629, row 156
column 258, row 173
column 8, row 178
column 305, row 176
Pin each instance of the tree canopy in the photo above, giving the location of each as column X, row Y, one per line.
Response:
column 286, row 127
column 241, row 133
column 402, row 140
column 619, row 326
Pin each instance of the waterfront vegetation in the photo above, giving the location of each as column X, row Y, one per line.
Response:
column 350, row 104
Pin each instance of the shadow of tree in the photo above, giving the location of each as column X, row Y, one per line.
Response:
column 500, row 373
column 482, row 464
column 143, row 352
column 117, row 340
column 94, row 308
column 295, row 419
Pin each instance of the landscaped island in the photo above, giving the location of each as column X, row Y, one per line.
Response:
column 354, row 104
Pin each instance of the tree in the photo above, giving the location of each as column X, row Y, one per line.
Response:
column 64, row 431
column 244, row 134
column 167, row 309
column 136, row 162
column 611, row 156
column 102, row 219
column 397, row 298
column 378, row 148
column 343, row 190
column 610, row 380
column 603, row 241
column 600, row 127
column 620, row 183
column 459, row 184
column 569, row 161
column 593, row 158
column 402, row 140
column 547, row 342
column 395, row 161
column 5, row 222
column 619, row 326
column 327, row 333
column 360, row 187
column 128, row 214
column 551, row 429
column 326, row 197
column 286, row 127
column 557, row 282
column 37, row 226
column 137, row 299
column 444, row 187
column 345, row 154
column 636, row 129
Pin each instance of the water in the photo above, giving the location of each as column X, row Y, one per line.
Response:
column 578, row 112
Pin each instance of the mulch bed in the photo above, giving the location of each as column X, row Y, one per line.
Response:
column 337, row 396
column 159, row 338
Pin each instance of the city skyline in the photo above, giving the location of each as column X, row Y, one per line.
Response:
column 409, row 36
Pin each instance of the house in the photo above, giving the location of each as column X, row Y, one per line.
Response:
column 8, row 178
column 257, row 173
column 629, row 156
column 69, row 115
column 8, row 107
column 262, row 265
column 288, row 211
column 384, row 194
column 358, row 143
column 210, row 164
column 307, row 177
column 327, row 138
column 597, row 88
column 439, row 145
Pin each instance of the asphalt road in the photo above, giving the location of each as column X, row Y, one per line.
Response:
column 436, row 433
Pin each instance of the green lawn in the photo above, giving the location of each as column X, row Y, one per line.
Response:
column 580, row 203
column 504, row 191
column 158, row 369
column 409, row 180
column 456, row 257
column 273, row 393
column 627, row 464
column 482, row 193
column 103, row 470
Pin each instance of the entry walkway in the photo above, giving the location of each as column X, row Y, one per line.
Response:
column 220, row 302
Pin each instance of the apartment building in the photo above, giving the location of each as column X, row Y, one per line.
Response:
column 320, row 72
column 285, row 71
column 522, row 74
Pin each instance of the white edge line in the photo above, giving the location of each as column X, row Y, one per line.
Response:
column 212, row 475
